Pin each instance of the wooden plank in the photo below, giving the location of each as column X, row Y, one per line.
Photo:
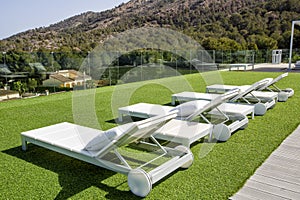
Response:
column 289, row 148
column 280, row 176
column 286, row 159
column 240, row 197
column 291, row 172
column 292, row 140
column 258, row 194
column 286, row 155
column 282, row 184
column 282, row 161
column 291, row 155
column 272, row 190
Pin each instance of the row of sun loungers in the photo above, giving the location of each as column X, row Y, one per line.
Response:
column 216, row 114
column 281, row 94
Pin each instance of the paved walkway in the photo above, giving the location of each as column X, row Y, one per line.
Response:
column 279, row 176
column 268, row 67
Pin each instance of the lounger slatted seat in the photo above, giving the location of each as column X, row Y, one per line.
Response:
column 184, row 130
column 143, row 110
column 102, row 148
column 268, row 91
column 260, row 105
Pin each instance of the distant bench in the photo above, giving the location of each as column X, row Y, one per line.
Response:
column 237, row 66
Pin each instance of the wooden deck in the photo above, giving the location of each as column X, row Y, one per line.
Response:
column 279, row 176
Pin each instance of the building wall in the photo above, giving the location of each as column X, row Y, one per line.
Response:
column 9, row 96
column 70, row 84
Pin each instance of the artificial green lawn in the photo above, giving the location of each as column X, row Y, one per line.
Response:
column 42, row 174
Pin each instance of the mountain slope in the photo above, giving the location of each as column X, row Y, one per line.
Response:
column 216, row 24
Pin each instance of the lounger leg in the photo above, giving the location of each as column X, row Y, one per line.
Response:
column 210, row 137
column 173, row 100
column 24, row 144
column 120, row 117
column 186, row 144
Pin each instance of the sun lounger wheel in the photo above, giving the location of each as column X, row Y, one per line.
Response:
column 283, row 96
column 290, row 91
column 186, row 150
column 139, row 182
column 221, row 132
column 260, row 109
column 244, row 127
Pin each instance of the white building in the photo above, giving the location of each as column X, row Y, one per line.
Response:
column 67, row 79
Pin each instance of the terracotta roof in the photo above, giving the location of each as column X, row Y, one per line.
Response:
column 72, row 71
column 72, row 76
column 61, row 78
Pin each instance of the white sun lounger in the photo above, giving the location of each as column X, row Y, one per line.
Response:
column 184, row 130
column 283, row 94
column 260, row 105
column 273, row 90
column 106, row 149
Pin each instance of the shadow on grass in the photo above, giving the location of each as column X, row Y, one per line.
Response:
column 126, row 119
column 170, row 104
column 74, row 175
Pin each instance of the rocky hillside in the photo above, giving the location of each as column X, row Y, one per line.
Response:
column 216, row 24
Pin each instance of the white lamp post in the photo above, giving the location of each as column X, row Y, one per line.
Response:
column 52, row 58
column 291, row 44
column 4, row 61
column 52, row 67
column 89, row 63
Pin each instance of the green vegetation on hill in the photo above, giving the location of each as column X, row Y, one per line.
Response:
column 232, row 24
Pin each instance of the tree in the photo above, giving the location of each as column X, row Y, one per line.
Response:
column 263, row 42
column 32, row 84
column 220, row 44
column 20, row 87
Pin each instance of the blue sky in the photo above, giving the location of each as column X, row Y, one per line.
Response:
column 21, row 15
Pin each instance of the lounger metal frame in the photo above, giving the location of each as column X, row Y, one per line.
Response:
column 139, row 181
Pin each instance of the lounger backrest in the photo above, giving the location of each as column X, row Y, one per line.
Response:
column 138, row 130
column 275, row 80
column 215, row 103
column 253, row 87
